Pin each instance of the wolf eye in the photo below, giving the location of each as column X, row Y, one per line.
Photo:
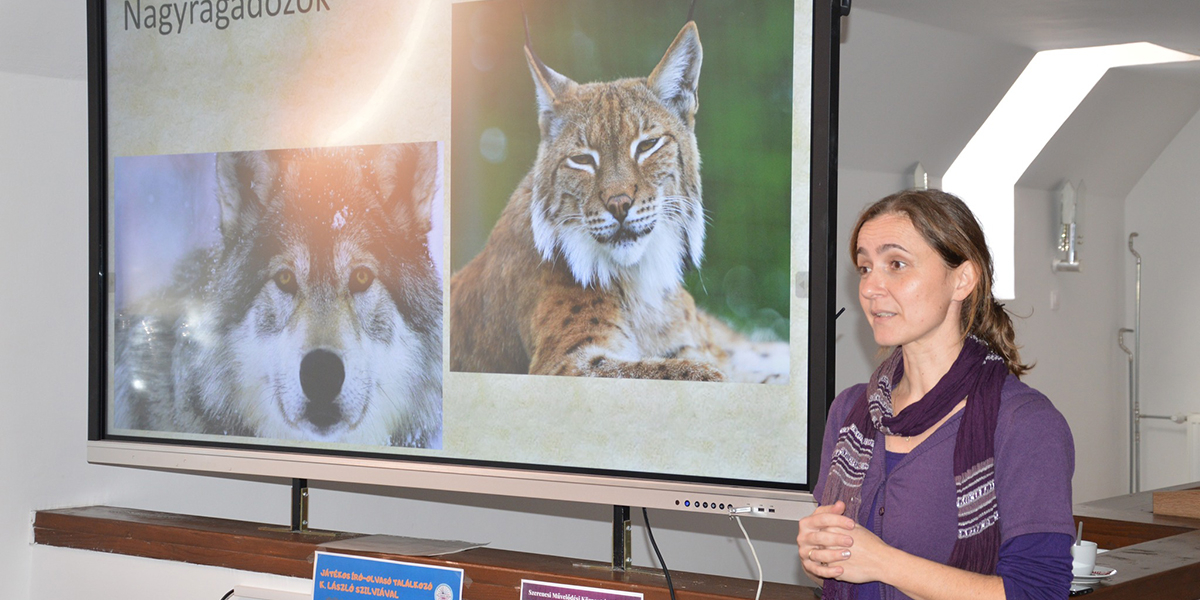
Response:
column 361, row 279
column 583, row 159
column 647, row 145
column 286, row 280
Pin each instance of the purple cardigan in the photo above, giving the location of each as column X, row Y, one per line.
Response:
column 1035, row 459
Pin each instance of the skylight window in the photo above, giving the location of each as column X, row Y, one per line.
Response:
column 1038, row 103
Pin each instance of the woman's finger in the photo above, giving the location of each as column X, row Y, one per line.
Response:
column 828, row 539
column 824, row 571
column 828, row 556
column 826, row 521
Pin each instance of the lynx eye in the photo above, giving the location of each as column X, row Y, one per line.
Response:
column 645, row 146
column 361, row 278
column 584, row 160
column 286, row 280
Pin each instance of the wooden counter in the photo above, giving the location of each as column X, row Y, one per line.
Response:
column 1155, row 556
column 489, row 574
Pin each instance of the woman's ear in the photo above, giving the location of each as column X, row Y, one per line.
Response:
column 966, row 276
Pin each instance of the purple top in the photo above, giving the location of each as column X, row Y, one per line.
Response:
column 914, row 504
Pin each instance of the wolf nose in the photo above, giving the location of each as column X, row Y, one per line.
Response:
column 321, row 377
column 619, row 206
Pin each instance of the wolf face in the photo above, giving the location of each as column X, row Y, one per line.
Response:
column 319, row 317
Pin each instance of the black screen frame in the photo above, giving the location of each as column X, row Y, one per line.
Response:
column 821, row 275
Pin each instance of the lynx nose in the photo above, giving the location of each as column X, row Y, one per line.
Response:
column 619, row 206
column 321, row 376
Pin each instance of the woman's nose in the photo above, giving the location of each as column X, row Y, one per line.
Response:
column 871, row 285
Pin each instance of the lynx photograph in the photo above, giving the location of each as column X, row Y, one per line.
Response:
column 584, row 241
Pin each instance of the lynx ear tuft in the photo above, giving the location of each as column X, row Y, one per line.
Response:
column 677, row 75
column 243, row 182
column 550, row 86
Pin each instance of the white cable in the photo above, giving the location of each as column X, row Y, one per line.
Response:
column 757, row 564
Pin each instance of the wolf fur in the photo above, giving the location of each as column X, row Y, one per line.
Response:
column 318, row 317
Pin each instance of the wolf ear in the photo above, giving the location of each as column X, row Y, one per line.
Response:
column 409, row 182
column 550, row 87
column 243, row 182
column 677, row 75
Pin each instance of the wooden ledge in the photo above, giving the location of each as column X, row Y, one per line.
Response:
column 1127, row 520
column 490, row 574
column 1164, row 568
column 1155, row 556
column 1167, row 565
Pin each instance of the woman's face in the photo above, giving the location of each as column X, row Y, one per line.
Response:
column 907, row 292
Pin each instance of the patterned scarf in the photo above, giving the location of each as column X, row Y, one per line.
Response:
column 977, row 374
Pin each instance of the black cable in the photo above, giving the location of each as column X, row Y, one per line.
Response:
column 228, row 595
column 666, row 571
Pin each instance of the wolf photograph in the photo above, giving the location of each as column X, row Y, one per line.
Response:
column 583, row 242
column 285, row 295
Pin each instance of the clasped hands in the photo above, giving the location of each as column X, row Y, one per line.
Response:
column 833, row 546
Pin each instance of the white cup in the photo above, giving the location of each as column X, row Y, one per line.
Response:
column 1083, row 558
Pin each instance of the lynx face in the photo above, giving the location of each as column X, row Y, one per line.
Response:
column 617, row 180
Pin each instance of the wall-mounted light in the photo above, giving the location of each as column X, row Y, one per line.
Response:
column 1070, row 200
column 918, row 177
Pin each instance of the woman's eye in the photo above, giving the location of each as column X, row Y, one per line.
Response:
column 286, row 280
column 646, row 145
column 898, row 264
column 583, row 159
column 361, row 278
column 863, row 270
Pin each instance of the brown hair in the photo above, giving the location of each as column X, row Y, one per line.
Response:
column 951, row 229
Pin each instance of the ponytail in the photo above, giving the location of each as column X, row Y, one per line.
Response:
column 990, row 321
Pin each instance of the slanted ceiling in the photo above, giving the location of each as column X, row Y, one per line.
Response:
column 920, row 76
column 1053, row 24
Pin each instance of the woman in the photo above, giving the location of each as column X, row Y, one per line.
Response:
column 970, row 496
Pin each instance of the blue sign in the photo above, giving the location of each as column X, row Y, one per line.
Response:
column 344, row 577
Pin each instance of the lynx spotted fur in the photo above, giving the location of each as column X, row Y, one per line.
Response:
column 582, row 274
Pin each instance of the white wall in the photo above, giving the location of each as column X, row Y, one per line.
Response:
column 1164, row 209
column 43, row 356
column 1078, row 364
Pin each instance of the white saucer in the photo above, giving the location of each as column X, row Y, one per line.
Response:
column 1098, row 573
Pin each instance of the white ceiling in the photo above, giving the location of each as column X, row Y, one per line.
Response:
column 1052, row 24
column 920, row 76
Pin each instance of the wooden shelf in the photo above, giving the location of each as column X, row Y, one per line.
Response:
column 1155, row 556
column 490, row 574
column 1127, row 520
